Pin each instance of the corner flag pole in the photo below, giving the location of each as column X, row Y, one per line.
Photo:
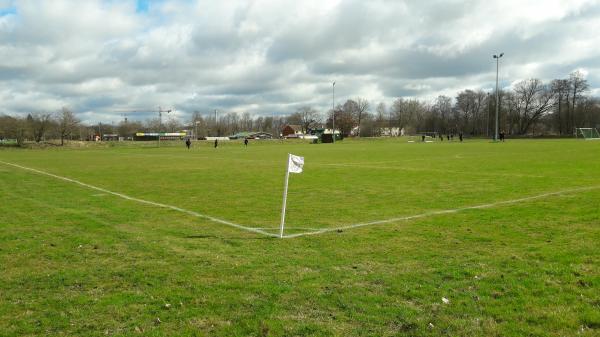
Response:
column 287, row 176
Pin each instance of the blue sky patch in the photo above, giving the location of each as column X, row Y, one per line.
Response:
column 142, row 6
column 8, row 11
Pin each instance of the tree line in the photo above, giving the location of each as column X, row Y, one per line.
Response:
column 531, row 107
column 38, row 126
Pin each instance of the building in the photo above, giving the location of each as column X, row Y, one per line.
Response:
column 252, row 135
column 111, row 137
column 163, row 135
column 324, row 135
column 292, row 131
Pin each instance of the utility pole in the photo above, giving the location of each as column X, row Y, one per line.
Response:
column 333, row 111
column 497, row 57
column 487, row 128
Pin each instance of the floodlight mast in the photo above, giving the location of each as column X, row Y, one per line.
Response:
column 497, row 57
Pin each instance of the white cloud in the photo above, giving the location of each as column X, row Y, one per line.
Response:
column 273, row 56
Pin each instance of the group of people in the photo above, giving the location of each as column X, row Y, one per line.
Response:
column 449, row 136
column 188, row 143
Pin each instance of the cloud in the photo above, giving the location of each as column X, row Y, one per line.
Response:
column 273, row 56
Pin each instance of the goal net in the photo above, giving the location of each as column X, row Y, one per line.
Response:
column 587, row 133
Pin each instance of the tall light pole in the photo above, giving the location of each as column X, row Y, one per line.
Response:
column 489, row 106
column 333, row 112
column 497, row 57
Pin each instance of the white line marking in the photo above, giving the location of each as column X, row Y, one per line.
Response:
column 196, row 214
column 291, row 228
column 321, row 231
column 448, row 211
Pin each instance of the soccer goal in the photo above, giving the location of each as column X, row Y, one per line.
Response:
column 587, row 133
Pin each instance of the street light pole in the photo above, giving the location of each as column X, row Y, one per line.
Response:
column 489, row 106
column 333, row 112
column 497, row 57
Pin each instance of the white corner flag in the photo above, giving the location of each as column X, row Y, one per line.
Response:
column 294, row 165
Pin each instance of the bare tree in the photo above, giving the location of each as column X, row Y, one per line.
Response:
column 362, row 106
column 150, row 124
column 407, row 113
column 344, row 118
column 471, row 105
column 532, row 99
column 199, row 124
column 561, row 88
column 401, row 116
column 380, row 118
column 442, row 108
column 578, row 86
column 172, row 124
column 308, row 117
column 13, row 127
column 38, row 124
column 369, row 126
column 246, row 121
column 127, row 128
column 66, row 124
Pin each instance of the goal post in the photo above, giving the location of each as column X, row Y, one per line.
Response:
column 587, row 133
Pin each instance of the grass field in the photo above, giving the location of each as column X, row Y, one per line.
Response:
column 84, row 262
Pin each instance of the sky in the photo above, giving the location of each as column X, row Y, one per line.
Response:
column 106, row 58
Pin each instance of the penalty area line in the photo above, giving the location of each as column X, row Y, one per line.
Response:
column 448, row 211
column 147, row 202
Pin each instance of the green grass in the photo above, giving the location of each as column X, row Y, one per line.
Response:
column 75, row 261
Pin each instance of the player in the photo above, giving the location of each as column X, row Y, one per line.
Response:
column 216, row 143
column 246, row 142
column 188, row 143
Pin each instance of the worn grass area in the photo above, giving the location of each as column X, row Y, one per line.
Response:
column 79, row 262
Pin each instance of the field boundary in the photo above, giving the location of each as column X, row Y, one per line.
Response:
column 312, row 231
column 124, row 196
